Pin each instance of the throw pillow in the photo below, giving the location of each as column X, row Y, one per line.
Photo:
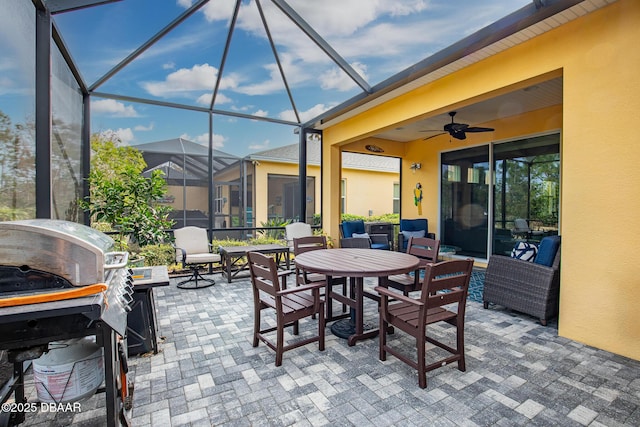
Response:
column 409, row 234
column 524, row 251
column 361, row 236
column 547, row 251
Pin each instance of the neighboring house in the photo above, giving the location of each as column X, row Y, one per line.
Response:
column 566, row 88
column 367, row 183
column 252, row 190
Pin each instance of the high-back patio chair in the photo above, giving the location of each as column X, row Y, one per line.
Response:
column 426, row 249
column 194, row 250
column 312, row 243
column 441, row 300
column 290, row 305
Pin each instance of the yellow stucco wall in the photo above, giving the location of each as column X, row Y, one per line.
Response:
column 369, row 192
column 598, row 58
column 365, row 189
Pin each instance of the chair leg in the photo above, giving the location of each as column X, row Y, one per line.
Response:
column 321, row 327
column 383, row 339
column 460, row 350
column 192, row 281
column 256, row 324
column 422, row 370
column 279, row 343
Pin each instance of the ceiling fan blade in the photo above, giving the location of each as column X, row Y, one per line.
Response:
column 459, row 135
column 478, row 129
column 433, row 136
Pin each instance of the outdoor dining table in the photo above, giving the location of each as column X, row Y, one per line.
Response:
column 355, row 264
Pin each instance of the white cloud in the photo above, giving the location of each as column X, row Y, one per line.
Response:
column 337, row 79
column 112, row 108
column 197, row 78
column 261, row 113
column 203, row 139
column 206, row 99
column 259, row 146
column 305, row 115
column 169, row 66
column 125, row 136
column 143, row 128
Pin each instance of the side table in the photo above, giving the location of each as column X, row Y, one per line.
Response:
column 142, row 328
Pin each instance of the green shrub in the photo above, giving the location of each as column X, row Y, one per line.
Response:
column 274, row 222
column 159, row 254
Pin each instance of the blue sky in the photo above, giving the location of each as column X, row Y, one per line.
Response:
column 378, row 38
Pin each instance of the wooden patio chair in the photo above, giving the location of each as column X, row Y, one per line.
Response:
column 312, row 243
column 442, row 299
column 427, row 250
column 290, row 305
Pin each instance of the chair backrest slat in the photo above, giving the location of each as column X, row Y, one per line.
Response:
column 264, row 273
column 424, row 248
column 446, row 283
column 309, row 243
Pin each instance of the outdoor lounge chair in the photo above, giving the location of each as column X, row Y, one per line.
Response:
column 355, row 229
column 442, row 299
column 529, row 287
column 521, row 229
column 193, row 250
column 290, row 305
column 412, row 228
column 295, row 230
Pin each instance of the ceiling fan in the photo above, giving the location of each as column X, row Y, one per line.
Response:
column 459, row 130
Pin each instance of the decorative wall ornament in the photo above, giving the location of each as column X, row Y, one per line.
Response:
column 417, row 197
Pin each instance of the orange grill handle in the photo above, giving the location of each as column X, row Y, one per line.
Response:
column 78, row 292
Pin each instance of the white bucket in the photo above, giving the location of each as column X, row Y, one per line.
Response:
column 72, row 370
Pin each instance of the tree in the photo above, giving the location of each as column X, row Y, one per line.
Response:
column 121, row 196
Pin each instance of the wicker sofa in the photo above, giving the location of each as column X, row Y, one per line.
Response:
column 527, row 287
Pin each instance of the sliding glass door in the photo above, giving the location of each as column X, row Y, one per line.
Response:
column 526, row 186
column 465, row 201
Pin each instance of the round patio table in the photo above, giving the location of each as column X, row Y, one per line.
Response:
column 355, row 264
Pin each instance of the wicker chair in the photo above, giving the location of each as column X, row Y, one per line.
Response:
column 527, row 287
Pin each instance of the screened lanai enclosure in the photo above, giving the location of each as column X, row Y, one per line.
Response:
column 200, row 86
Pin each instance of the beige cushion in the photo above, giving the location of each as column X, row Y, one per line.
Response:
column 195, row 242
column 296, row 230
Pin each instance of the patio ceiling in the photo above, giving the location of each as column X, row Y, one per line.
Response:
column 520, row 25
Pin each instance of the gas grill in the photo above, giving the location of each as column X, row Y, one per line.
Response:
column 49, row 261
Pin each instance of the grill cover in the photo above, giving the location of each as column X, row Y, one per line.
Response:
column 73, row 251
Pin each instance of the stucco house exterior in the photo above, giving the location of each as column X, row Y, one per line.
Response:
column 587, row 58
column 252, row 190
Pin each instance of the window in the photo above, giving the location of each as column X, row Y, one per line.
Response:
column 396, row 197
column 343, row 196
